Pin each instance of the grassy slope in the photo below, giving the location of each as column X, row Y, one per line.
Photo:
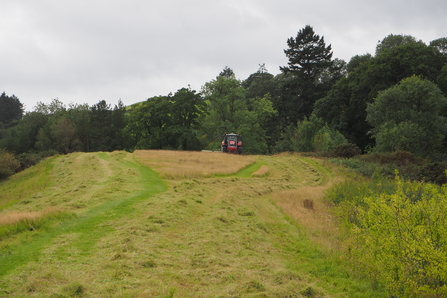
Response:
column 135, row 235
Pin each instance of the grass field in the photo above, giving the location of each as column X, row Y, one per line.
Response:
column 171, row 224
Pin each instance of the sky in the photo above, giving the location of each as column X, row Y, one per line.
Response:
column 82, row 52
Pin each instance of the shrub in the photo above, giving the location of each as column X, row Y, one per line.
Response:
column 395, row 233
column 346, row 150
column 434, row 172
column 398, row 158
column 8, row 164
column 28, row 160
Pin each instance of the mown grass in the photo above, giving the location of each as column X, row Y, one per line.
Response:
column 175, row 164
column 213, row 236
column 21, row 187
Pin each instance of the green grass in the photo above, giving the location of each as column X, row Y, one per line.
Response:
column 90, row 225
column 139, row 236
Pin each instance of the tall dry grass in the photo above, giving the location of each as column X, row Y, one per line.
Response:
column 306, row 206
column 191, row 164
column 14, row 217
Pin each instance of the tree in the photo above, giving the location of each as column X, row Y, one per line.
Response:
column 188, row 111
column 406, row 117
column 10, row 108
column 357, row 60
column 344, row 106
column 394, row 41
column 308, row 58
column 166, row 122
column 260, row 83
column 224, row 96
column 442, row 80
column 230, row 111
column 440, row 44
column 147, row 123
column 100, row 133
column 227, row 73
column 118, row 123
column 65, row 136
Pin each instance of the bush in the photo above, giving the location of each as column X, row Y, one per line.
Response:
column 28, row 160
column 398, row 158
column 346, row 150
column 395, row 232
column 8, row 164
column 434, row 172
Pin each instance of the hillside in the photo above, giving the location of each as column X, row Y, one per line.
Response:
column 171, row 224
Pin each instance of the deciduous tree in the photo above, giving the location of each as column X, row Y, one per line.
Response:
column 406, row 117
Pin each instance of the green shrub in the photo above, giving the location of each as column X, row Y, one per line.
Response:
column 8, row 164
column 398, row 158
column 346, row 150
column 28, row 160
column 433, row 172
column 395, row 233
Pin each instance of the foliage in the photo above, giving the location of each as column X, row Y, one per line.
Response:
column 406, row 117
column 344, row 106
column 326, row 139
column 346, row 150
column 394, row 41
column 313, row 134
column 395, row 234
column 8, row 164
column 410, row 166
column 265, row 108
column 440, row 44
column 442, row 80
column 230, row 111
column 10, row 108
column 166, row 122
column 309, row 58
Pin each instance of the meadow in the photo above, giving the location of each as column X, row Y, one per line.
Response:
column 173, row 224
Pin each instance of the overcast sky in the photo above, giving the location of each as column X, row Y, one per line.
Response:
column 85, row 51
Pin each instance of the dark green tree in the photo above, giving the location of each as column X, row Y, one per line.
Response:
column 100, row 128
column 392, row 41
column 260, row 83
column 230, row 111
column 146, row 124
column 166, row 122
column 442, row 80
column 188, row 111
column 118, row 124
column 357, row 60
column 406, row 117
column 344, row 106
column 227, row 73
column 80, row 115
column 440, row 44
column 309, row 58
column 10, row 108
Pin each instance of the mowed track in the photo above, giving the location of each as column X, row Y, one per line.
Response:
column 137, row 235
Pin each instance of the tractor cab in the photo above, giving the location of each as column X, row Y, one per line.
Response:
column 232, row 143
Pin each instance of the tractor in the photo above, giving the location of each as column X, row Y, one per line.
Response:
column 232, row 143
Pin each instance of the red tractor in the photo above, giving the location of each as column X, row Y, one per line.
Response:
column 232, row 143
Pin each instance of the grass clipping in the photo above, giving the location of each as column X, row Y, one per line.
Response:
column 192, row 164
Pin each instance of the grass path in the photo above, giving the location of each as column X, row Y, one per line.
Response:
column 136, row 235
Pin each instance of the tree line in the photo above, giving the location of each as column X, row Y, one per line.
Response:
column 392, row 100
